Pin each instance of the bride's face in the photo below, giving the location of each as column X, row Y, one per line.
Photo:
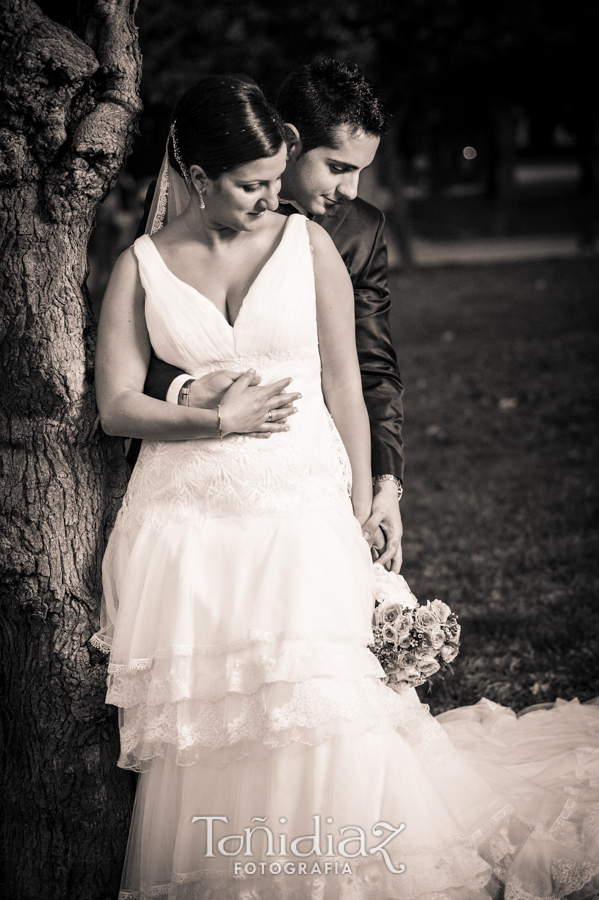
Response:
column 239, row 198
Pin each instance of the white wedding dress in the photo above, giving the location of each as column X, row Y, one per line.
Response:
column 238, row 600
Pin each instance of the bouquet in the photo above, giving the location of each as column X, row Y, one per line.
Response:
column 411, row 642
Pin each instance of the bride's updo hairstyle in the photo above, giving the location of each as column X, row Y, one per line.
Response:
column 223, row 122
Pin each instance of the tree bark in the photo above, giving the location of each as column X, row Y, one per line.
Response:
column 69, row 111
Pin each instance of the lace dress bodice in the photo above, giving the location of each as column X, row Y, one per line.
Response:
column 275, row 333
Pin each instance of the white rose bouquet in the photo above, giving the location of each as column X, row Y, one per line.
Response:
column 411, row 642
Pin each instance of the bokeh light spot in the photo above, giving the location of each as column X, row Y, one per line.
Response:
column 469, row 152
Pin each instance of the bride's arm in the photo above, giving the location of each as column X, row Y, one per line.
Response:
column 122, row 357
column 341, row 381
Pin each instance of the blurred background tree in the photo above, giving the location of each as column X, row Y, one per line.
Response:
column 509, row 79
column 441, row 64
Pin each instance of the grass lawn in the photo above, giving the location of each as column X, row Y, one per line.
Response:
column 501, row 367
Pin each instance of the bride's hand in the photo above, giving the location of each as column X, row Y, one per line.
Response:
column 377, row 544
column 361, row 512
column 386, row 517
column 254, row 410
column 208, row 391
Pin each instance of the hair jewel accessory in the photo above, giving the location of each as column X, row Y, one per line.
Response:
column 176, row 150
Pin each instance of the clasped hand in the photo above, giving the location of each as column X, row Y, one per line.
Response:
column 245, row 405
column 384, row 529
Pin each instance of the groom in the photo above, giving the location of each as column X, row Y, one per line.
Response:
column 334, row 124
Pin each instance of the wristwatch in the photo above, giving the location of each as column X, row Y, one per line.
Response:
column 378, row 478
column 183, row 398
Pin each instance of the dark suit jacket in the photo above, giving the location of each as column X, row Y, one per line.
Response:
column 357, row 231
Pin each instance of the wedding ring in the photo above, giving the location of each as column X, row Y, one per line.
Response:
column 269, row 415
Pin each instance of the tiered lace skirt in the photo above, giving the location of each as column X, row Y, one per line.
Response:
column 275, row 763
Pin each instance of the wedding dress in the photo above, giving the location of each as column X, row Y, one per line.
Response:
column 237, row 611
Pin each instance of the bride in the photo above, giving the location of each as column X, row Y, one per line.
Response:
column 238, row 587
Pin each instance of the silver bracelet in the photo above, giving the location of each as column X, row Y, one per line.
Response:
column 378, row 478
column 183, row 397
column 220, row 424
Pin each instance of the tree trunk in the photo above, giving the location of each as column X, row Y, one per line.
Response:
column 69, row 111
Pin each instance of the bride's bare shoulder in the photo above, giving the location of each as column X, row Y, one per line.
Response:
column 276, row 220
column 321, row 241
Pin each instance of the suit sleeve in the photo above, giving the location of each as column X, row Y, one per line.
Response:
column 381, row 381
column 160, row 374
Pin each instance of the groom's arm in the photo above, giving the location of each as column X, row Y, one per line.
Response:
column 381, row 380
column 161, row 376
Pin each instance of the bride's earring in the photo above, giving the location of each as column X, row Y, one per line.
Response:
column 201, row 195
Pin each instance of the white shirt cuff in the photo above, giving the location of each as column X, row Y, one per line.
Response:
column 172, row 395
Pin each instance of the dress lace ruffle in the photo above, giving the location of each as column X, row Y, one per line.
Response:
column 235, row 726
column 173, row 676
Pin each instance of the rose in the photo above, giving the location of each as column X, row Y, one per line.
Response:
column 390, row 612
column 405, row 641
column 437, row 638
column 448, row 653
column 424, row 620
column 406, row 659
column 440, row 610
column 389, row 634
column 428, row 667
column 403, row 624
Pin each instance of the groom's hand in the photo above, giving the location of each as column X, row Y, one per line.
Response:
column 208, row 391
column 385, row 518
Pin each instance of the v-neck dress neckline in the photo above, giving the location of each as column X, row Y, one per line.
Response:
column 277, row 316
column 254, row 283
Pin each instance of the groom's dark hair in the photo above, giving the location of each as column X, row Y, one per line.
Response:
column 319, row 97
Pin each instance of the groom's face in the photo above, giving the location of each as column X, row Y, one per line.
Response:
column 323, row 177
